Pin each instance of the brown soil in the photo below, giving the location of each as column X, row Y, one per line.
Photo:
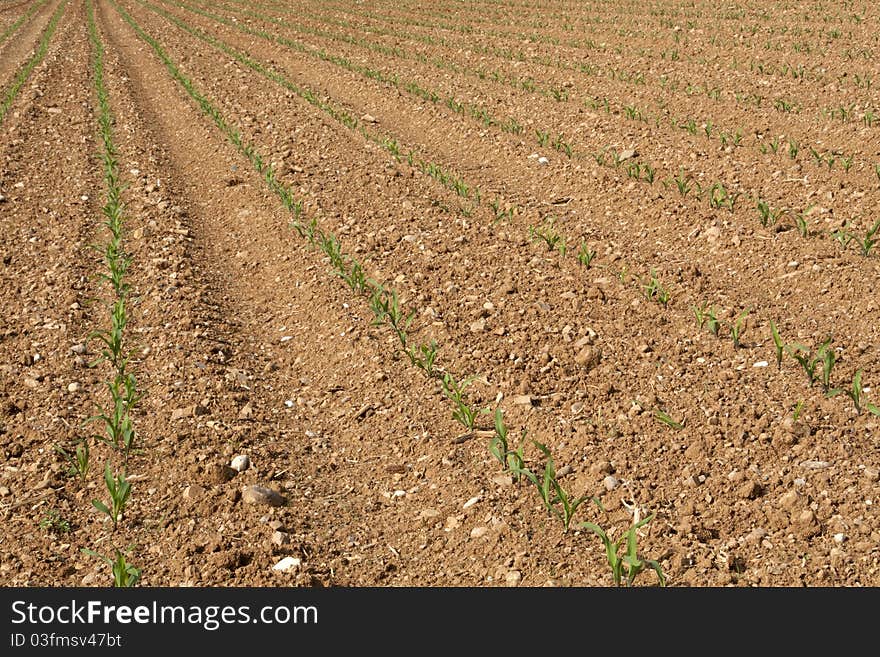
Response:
column 245, row 342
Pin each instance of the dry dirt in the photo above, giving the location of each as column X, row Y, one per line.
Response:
column 244, row 342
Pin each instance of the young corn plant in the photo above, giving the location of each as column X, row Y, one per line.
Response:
column 120, row 490
column 622, row 554
column 584, row 255
column 386, row 309
column 706, row 316
column 653, row 290
column 561, row 145
column 869, row 242
column 737, row 328
column 683, row 183
column 777, row 342
column 79, row 460
column 551, row 491
column 547, row 233
column 124, row 573
column 810, row 361
column 800, row 221
column 668, row 420
column 463, row 413
column 511, row 460
column 769, row 216
column 424, row 357
column 854, row 392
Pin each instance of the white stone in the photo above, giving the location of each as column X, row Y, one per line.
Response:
column 287, row 564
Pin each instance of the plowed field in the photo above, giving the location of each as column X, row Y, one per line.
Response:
column 441, row 271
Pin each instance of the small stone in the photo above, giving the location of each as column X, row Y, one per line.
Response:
column 523, row 400
column 513, row 578
column 180, row 413
column 503, row 480
column 31, row 382
column 713, row 233
column 246, row 412
column 478, row 326
column 280, row 538
column 627, row 154
column 287, row 564
column 368, row 118
column 601, row 467
column 760, row 363
column 756, row 536
column 749, row 490
column 543, row 160
column 806, row 523
column 477, row 532
column 78, row 349
column 873, row 474
column 471, row 502
column 240, row 463
column 451, row 524
column 610, row 482
column 839, row 537
column 789, row 500
column 193, row 493
column 220, row 473
column 74, row 387
column 815, row 465
column 428, row 514
column 262, row 495
column 4, row 492
column 838, row 557
column 588, row 357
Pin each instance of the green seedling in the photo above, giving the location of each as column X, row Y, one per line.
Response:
column 854, row 392
column 769, row 216
column 510, row 459
column 625, row 565
column 667, row 419
column 551, row 491
column 124, row 573
column 798, row 410
column 829, row 358
column 719, row 197
column 548, row 234
column 777, row 341
column 543, row 137
column 79, row 460
column 561, row 145
column 543, row 484
column 683, row 183
column 867, row 244
column 800, row 220
column 808, row 361
column 120, row 490
column 386, row 309
column 454, row 390
column 424, row 357
column 585, row 255
column 843, row 236
column 654, row 290
column 737, row 328
column 54, row 522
